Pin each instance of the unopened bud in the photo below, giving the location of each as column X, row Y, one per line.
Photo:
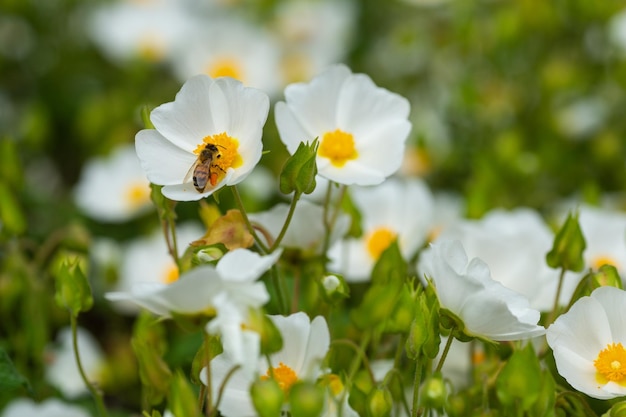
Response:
column 379, row 403
column 306, row 399
column 434, row 393
column 267, row 397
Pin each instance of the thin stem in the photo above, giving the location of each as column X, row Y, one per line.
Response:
column 360, row 353
column 559, row 288
column 292, row 209
column 208, row 410
column 220, row 393
column 444, row 354
column 417, row 379
column 264, row 249
column 281, row 291
column 95, row 394
column 174, row 244
column 357, row 359
column 330, row 219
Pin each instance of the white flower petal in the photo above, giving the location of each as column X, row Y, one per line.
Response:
column 242, row 265
column 163, row 162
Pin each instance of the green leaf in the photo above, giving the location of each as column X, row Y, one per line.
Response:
column 182, row 398
column 298, row 173
column 10, row 378
column 519, row 383
column 211, row 347
column 11, row 214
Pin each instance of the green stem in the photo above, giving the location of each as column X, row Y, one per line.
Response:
column 555, row 307
column 330, row 219
column 292, row 209
column 220, row 393
column 172, row 242
column 417, row 380
column 357, row 359
column 209, row 389
column 95, row 394
column 360, row 353
column 281, row 290
column 444, row 354
column 263, row 248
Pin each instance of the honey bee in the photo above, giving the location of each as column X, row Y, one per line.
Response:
column 203, row 170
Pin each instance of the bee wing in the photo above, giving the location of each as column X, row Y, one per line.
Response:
column 189, row 175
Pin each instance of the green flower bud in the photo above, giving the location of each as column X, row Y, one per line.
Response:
column 72, row 288
column 306, row 399
column 379, row 403
column 618, row 410
column 434, row 393
column 298, row 173
column 335, row 287
column 182, row 398
column 606, row 276
column 569, row 245
column 267, row 397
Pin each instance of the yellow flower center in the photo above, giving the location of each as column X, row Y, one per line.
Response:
column 379, row 240
column 151, row 49
column 598, row 261
column 227, row 155
column 225, row 67
column 611, row 364
column 137, row 194
column 283, row 375
column 338, row 146
column 170, row 274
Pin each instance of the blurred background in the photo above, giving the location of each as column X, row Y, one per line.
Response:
column 513, row 103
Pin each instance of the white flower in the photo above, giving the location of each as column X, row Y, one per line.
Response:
column 218, row 116
column 305, row 344
column 196, row 290
column 306, row 230
column 113, row 188
column 52, row 407
column 514, row 245
column 307, row 49
column 361, row 128
column 588, row 344
column 61, row 369
column 395, row 209
column 605, row 234
column 486, row 307
column 151, row 30
column 146, row 259
column 230, row 46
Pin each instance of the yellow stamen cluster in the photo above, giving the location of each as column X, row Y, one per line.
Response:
column 170, row 274
column 225, row 67
column 603, row 260
column 379, row 240
column 611, row 364
column 338, row 146
column 227, row 156
column 283, row 375
column 137, row 194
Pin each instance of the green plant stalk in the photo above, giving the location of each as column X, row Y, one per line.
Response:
column 209, row 389
column 357, row 359
column 555, row 307
column 417, row 379
column 292, row 209
column 94, row 393
column 444, row 354
column 360, row 354
column 263, row 248
column 281, row 291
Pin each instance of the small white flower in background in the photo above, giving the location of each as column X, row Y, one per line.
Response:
column 207, row 113
column 146, row 260
column 149, row 30
column 113, row 188
column 306, row 230
column 235, row 276
column 617, row 31
column 307, row 49
column 232, row 47
column 396, row 209
column 605, row 234
column 61, row 369
column 588, row 344
column 305, row 344
column 465, row 288
column 361, row 128
column 51, row 407
column 514, row 245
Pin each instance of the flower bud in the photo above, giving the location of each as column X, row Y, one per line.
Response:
column 618, row 410
column 569, row 245
column 267, row 397
column 72, row 288
column 379, row 403
column 434, row 393
column 335, row 287
column 298, row 173
column 306, row 399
